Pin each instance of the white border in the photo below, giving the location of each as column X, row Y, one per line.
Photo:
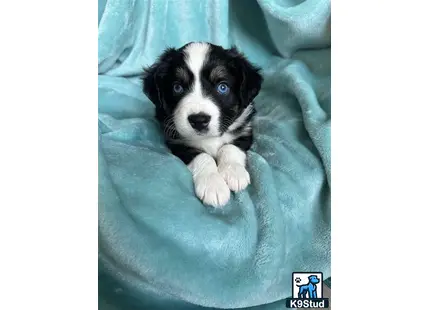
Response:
column 48, row 158
column 380, row 154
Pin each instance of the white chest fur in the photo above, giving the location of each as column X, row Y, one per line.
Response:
column 211, row 145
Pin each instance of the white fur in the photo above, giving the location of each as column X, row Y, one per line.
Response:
column 212, row 145
column 212, row 183
column 209, row 185
column 241, row 119
column 231, row 166
column 195, row 102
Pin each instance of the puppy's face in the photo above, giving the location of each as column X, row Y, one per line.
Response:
column 200, row 89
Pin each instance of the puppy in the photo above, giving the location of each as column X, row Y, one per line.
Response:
column 203, row 95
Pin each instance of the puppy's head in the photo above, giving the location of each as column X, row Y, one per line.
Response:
column 200, row 89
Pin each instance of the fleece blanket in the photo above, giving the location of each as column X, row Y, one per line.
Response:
column 159, row 247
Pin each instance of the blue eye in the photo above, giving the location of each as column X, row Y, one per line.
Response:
column 223, row 88
column 177, row 88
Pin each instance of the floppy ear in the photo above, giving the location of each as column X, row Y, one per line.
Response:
column 250, row 77
column 153, row 77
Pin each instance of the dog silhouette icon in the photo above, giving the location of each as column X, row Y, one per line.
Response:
column 309, row 290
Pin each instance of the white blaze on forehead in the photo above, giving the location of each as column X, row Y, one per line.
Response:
column 194, row 101
column 195, row 57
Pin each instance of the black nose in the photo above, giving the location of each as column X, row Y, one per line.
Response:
column 199, row 121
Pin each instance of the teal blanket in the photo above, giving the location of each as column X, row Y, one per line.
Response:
column 159, row 247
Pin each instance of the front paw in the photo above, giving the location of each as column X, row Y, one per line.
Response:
column 212, row 189
column 236, row 176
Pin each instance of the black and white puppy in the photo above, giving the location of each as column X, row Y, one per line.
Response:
column 203, row 96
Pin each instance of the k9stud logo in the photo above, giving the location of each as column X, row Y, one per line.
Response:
column 307, row 291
